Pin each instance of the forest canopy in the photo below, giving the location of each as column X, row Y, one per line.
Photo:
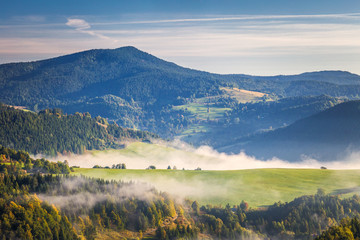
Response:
column 51, row 132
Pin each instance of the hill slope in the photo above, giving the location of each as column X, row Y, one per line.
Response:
column 52, row 132
column 254, row 117
column 328, row 135
column 125, row 72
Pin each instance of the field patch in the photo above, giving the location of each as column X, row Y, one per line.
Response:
column 242, row 95
column 203, row 111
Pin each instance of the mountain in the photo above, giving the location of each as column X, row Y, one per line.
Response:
column 129, row 73
column 326, row 136
column 332, row 83
column 125, row 72
column 138, row 90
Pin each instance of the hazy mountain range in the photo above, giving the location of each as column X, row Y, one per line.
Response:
column 328, row 135
column 229, row 112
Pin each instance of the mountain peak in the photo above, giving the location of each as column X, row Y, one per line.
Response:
column 128, row 48
column 121, row 52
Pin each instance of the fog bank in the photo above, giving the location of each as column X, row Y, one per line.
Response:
column 182, row 155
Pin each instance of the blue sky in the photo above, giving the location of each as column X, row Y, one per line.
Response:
column 259, row 37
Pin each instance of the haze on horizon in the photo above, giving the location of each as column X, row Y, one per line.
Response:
column 251, row 37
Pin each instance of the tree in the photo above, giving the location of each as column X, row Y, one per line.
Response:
column 195, row 207
column 320, row 192
column 244, row 206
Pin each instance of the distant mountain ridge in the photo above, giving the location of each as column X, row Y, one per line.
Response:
column 132, row 74
column 326, row 136
column 334, row 77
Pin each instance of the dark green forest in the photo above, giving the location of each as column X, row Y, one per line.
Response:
column 19, row 162
column 51, row 132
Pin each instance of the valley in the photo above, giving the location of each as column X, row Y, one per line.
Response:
column 179, row 120
column 118, row 143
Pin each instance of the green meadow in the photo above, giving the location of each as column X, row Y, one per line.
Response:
column 204, row 112
column 258, row 187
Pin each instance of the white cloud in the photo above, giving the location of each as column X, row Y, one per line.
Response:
column 78, row 24
column 84, row 27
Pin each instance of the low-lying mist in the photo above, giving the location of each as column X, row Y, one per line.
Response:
column 216, row 187
column 78, row 193
column 182, row 155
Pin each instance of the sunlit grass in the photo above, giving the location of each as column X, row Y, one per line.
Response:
column 258, row 187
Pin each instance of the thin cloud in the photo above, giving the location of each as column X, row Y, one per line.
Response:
column 348, row 16
column 82, row 26
column 29, row 19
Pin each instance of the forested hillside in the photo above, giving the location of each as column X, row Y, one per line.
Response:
column 19, row 162
column 51, row 132
column 125, row 72
column 253, row 117
column 328, row 135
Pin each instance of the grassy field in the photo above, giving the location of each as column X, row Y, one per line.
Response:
column 259, row 187
column 204, row 112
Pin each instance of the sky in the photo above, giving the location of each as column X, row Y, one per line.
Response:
column 258, row 37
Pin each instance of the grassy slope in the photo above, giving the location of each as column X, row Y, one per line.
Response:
column 203, row 109
column 258, row 187
column 241, row 95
